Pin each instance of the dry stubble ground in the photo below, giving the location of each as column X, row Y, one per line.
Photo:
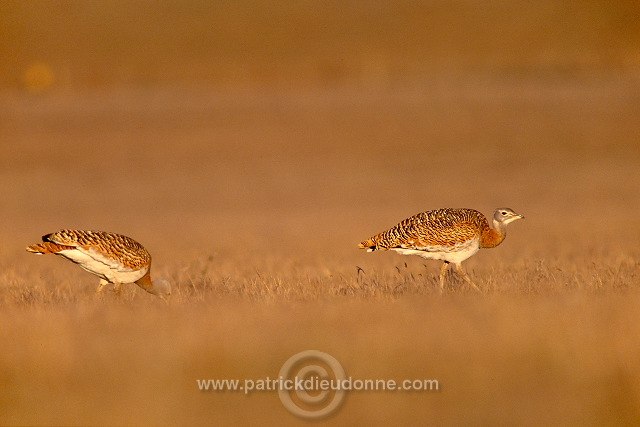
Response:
column 253, row 204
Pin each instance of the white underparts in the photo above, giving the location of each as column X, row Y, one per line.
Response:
column 455, row 254
column 103, row 267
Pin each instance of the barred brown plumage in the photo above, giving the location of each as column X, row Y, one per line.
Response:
column 450, row 235
column 115, row 258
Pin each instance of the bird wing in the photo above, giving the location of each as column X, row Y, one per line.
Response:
column 438, row 230
column 441, row 238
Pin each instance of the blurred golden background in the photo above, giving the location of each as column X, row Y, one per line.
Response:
column 78, row 45
column 250, row 146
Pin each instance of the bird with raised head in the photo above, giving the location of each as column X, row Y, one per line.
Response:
column 449, row 235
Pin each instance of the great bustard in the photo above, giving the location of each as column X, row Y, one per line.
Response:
column 115, row 258
column 450, row 235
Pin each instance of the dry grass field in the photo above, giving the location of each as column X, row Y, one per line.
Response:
column 252, row 191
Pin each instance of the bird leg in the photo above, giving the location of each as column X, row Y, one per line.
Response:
column 465, row 277
column 443, row 270
column 101, row 286
column 117, row 287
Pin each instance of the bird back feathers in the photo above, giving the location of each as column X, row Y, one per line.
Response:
column 440, row 227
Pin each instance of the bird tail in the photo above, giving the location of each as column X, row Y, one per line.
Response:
column 47, row 248
column 369, row 245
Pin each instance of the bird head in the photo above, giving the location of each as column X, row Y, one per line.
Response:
column 505, row 216
column 160, row 287
column 157, row 287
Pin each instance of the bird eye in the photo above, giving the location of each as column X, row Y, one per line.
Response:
column 504, row 212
